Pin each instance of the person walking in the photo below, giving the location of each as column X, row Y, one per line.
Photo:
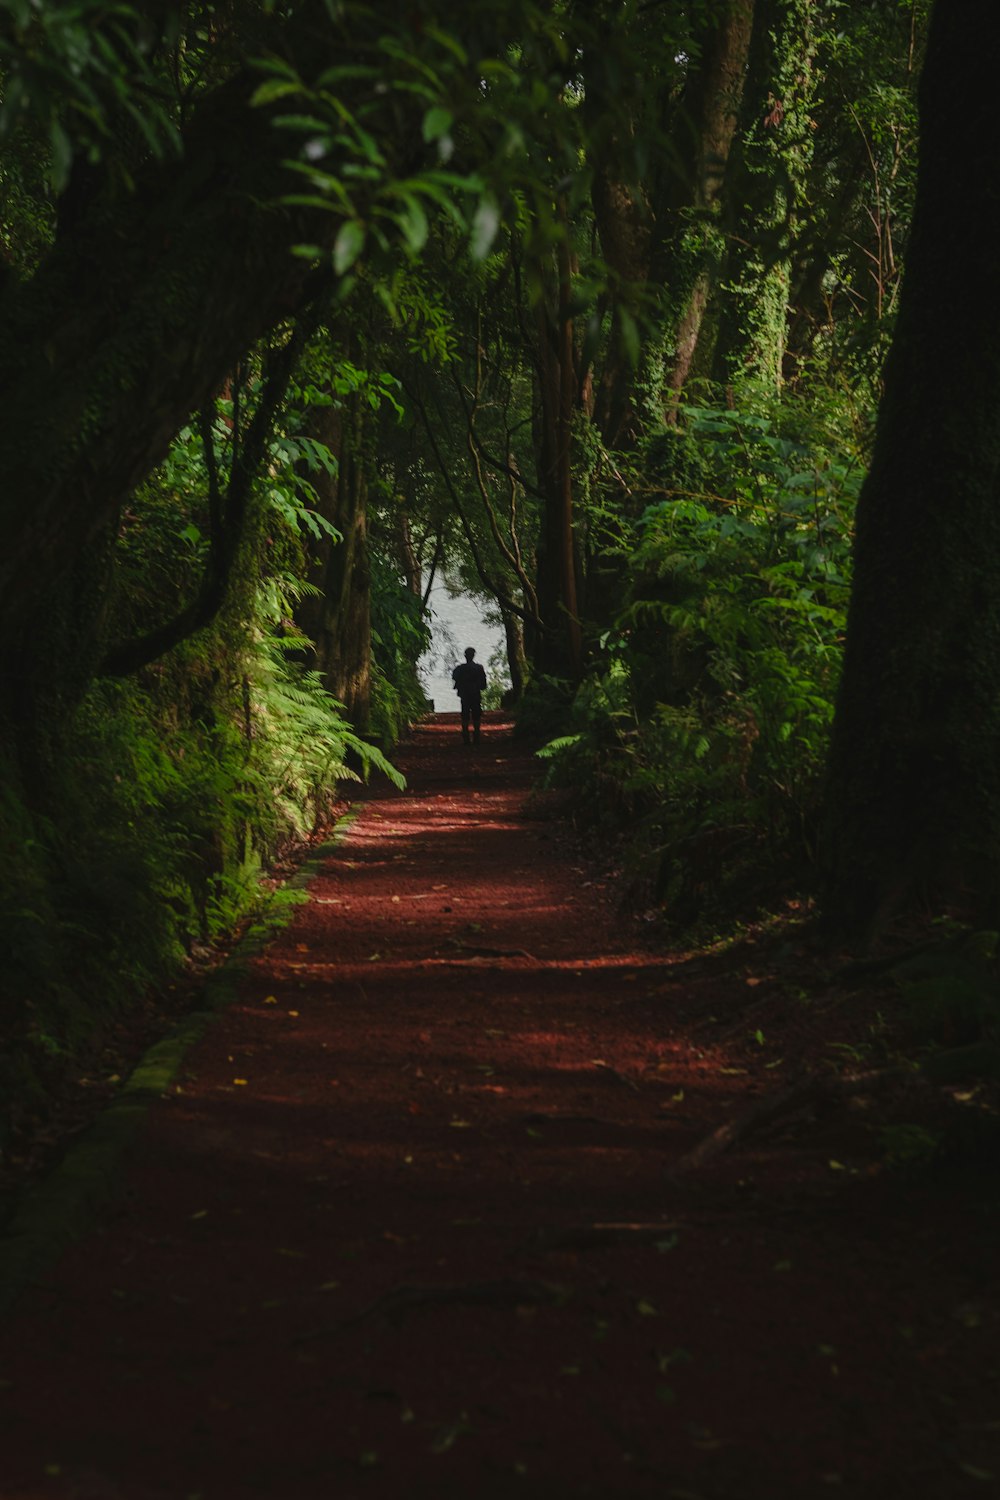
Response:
column 470, row 682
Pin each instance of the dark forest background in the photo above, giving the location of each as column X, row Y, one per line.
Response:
column 669, row 329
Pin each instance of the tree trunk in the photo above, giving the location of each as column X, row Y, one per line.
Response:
column 768, row 168
column 142, row 307
column 560, row 644
column 914, row 785
column 624, row 220
column 517, row 660
column 408, row 560
column 715, row 110
column 338, row 619
column 129, row 326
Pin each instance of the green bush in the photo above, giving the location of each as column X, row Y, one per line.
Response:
column 704, row 728
column 165, row 793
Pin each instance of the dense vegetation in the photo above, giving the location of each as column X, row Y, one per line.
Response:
column 301, row 304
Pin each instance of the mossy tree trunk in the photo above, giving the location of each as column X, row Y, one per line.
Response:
column 769, row 165
column 338, row 618
column 713, row 106
column 129, row 325
column 914, row 787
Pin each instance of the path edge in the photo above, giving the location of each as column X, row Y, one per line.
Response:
column 57, row 1211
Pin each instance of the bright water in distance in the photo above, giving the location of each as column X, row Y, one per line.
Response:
column 456, row 622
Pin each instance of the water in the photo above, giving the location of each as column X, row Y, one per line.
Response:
column 456, row 622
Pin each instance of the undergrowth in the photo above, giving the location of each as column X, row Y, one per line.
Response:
column 701, row 729
column 140, row 823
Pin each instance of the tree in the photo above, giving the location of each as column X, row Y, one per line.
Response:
column 913, row 801
column 295, row 152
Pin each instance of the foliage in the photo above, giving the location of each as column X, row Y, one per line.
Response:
column 522, row 236
column 705, row 725
column 82, row 71
column 183, row 782
column 400, row 636
column 497, row 678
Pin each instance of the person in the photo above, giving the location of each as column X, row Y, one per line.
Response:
column 470, row 680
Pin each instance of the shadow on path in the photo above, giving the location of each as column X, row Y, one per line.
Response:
column 405, row 1224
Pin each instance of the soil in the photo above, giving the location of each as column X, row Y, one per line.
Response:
column 420, row 1216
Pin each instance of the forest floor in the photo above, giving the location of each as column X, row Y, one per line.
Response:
column 420, row 1216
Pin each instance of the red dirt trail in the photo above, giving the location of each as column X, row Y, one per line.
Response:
column 405, row 1225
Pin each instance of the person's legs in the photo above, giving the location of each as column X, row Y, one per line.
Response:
column 466, row 710
column 477, row 714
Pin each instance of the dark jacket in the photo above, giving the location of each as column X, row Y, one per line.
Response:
column 469, row 679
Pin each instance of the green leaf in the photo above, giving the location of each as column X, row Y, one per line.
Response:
column 272, row 89
column 348, row 245
column 485, row 223
column 61, row 157
column 413, row 223
column 437, row 122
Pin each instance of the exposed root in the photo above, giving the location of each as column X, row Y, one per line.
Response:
column 602, row 1236
column 770, row 1107
column 508, row 1292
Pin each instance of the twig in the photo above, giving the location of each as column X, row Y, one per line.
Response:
column 484, row 952
column 629, row 1083
column 601, row 1236
column 507, row 1292
column 806, row 1091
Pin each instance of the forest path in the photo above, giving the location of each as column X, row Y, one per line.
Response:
column 405, row 1225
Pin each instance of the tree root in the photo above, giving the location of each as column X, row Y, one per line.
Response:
column 507, row 1292
column 601, row 1236
column 810, row 1090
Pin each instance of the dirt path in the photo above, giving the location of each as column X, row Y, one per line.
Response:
column 406, row 1224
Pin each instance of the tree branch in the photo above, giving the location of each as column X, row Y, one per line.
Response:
column 227, row 520
column 501, row 595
